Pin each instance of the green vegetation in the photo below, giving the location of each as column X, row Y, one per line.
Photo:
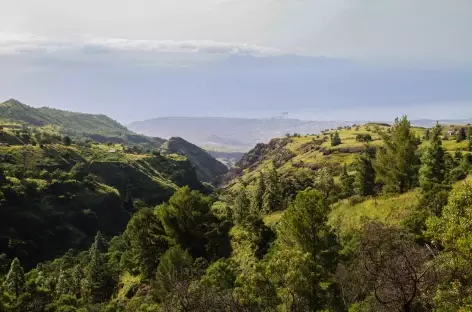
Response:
column 207, row 167
column 55, row 194
column 378, row 222
column 77, row 126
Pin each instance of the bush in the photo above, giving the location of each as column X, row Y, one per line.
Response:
column 356, row 199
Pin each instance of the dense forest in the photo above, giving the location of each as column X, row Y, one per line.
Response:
column 371, row 217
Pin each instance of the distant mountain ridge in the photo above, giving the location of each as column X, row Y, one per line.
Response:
column 228, row 134
column 100, row 128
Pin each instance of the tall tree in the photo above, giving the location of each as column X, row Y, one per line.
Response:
column 15, row 279
column 303, row 227
column 97, row 278
column 364, row 177
column 64, row 284
column 397, row 163
column 272, row 199
column 258, row 195
column 188, row 220
column 148, row 241
column 433, row 167
column 347, row 183
column 241, row 207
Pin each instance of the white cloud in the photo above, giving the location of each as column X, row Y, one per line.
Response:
column 28, row 43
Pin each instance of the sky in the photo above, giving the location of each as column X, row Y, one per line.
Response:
column 315, row 59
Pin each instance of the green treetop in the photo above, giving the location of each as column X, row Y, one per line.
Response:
column 364, row 177
column 335, row 139
column 397, row 163
column 15, row 280
column 433, row 167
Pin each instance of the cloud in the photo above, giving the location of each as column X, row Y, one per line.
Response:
column 27, row 43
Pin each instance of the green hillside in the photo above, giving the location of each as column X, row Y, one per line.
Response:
column 207, row 167
column 362, row 218
column 305, row 155
column 98, row 128
column 56, row 196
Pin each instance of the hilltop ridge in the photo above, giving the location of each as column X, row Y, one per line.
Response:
column 100, row 128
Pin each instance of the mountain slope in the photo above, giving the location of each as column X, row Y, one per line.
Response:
column 99, row 128
column 307, row 154
column 206, row 166
column 54, row 196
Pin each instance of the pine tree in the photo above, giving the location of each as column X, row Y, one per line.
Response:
column 335, row 139
column 303, row 227
column 76, row 281
column 64, row 283
column 258, row 196
column 15, row 280
column 364, row 178
column 97, row 276
column 396, row 163
column 433, row 167
column 146, row 235
column 427, row 134
column 241, row 207
column 347, row 183
column 272, row 199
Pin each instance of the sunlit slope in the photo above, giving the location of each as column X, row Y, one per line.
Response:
column 296, row 154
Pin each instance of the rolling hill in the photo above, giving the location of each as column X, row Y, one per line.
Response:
column 305, row 154
column 98, row 128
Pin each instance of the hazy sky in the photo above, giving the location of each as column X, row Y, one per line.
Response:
column 147, row 58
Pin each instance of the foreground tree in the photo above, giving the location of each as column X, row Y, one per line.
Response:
column 303, row 227
column 189, row 222
column 272, row 199
column 364, row 177
column 257, row 201
column 451, row 232
column 148, row 241
column 347, row 183
column 15, row 280
column 396, row 163
column 433, row 167
column 241, row 207
column 98, row 284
